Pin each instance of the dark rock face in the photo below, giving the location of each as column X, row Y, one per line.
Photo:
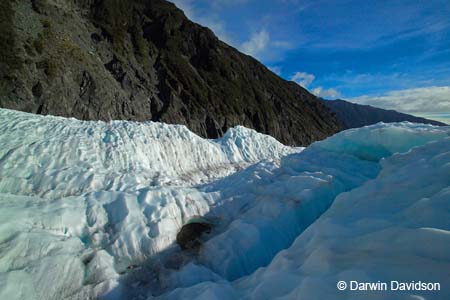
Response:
column 144, row 60
column 189, row 235
column 352, row 115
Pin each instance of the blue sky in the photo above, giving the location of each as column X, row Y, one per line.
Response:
column 391, row 54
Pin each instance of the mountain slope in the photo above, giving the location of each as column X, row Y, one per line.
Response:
column 352, row 115
column 144, row 60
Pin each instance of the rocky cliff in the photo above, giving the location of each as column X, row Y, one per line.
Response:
column 144, row 60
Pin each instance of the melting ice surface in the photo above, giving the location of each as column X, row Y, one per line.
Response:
column 91, row 210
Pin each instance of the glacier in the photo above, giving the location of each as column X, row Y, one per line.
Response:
column 90, row 210
column 54, row 157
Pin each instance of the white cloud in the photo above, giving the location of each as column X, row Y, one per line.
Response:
column 305, row 79
column 257, row 43
column 432, row 99
column 263, row 47
column 302, row 78
column 325, row 93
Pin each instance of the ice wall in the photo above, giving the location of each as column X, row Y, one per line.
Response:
column 55, row 157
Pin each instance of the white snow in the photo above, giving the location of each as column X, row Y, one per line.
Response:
column 91, row 209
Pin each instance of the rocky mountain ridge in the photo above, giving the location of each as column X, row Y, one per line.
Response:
column 144, row 60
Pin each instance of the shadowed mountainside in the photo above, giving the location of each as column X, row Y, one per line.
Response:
column 144, row 60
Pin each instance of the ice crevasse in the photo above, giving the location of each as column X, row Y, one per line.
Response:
column 81, row 202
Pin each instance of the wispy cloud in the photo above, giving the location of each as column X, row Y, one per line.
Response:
column 352, row 47
column 352, row 84
column 257, row 43
column 302, row 78
column 305, row 80
column 261, row 46
column 433, row 99
column 246, row 32
column 326, row 93
column 342, row 25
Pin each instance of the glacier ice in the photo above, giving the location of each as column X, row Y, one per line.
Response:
column 87, row 200
column 53, row 157
column 92, row 209
column 394, row 226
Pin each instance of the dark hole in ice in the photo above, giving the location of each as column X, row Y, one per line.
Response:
column 87, row 259
column 189, row 235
